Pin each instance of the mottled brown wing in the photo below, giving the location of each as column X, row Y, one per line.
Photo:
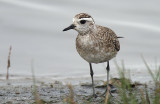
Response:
column 114, row 39
column 116, row 43
column 109, row 36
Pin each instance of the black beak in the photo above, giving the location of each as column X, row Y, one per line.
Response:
column 72, row 26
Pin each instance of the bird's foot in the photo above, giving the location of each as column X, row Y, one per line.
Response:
column 95, row 95
column 111, row 88
column 105, row 93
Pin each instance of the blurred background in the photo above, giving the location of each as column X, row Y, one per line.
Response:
column 34, row 30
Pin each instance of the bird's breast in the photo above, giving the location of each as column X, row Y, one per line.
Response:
column 92, row 50
column 85, row 44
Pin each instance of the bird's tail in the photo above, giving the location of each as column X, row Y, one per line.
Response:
column 120, row 37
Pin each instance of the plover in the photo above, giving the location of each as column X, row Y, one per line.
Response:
column 94, row 43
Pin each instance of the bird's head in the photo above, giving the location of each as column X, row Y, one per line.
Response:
column 82, row 23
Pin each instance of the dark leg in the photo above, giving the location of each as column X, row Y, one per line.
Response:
column 91, row 73
column 108, row 69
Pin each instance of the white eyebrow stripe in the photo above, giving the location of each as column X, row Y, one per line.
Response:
column 73, row 19
column 87, row 19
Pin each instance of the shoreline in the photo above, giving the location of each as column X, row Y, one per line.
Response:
column 22, row 91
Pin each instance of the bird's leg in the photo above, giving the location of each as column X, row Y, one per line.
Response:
column 108, row 69
column 91, row 73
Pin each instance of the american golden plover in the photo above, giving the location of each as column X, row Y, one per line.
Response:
column 94, row 43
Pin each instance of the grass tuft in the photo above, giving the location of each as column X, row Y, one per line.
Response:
column 35, row 92
column 70, row 98
column 156, row 78
column 8, row 63
column 125, row 91
column 107, row 96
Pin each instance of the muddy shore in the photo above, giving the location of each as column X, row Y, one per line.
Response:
column 22, row 92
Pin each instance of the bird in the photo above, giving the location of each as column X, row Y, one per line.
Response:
column 94, row 43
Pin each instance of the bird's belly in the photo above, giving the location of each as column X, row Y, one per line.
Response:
column 96, row 56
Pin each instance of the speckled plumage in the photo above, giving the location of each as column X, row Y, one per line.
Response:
column 97, row 46
column 82, row 15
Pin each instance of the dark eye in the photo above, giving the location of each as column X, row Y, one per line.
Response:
column 83, row 21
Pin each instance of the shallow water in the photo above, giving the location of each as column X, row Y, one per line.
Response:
column 34, row 29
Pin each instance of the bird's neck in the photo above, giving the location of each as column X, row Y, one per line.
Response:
column 92, row 30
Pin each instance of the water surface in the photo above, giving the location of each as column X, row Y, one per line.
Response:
column 34, row 29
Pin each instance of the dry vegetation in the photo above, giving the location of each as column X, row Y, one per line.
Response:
column 8, row 63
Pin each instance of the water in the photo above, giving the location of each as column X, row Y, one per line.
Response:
column 34, row 29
